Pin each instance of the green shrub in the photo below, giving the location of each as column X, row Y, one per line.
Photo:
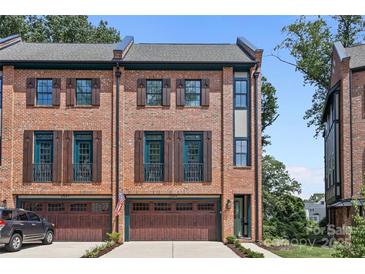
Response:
column 113, row 237
column 250, row 253
column 237, row 243
column 231, row 239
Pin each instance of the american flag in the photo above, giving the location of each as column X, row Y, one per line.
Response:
column 118, row 208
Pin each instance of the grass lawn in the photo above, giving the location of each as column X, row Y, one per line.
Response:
column 304, row 251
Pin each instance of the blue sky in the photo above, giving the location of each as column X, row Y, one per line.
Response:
column 292, row 141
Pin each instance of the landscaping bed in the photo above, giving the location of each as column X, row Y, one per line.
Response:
column 104, row 248
column 243, row 252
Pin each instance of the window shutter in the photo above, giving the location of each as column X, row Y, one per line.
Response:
column 168, row 139
column 166, row 91
column 28, row 156
column 180, row 92
column 207, row 156
column 30, row 91
column 138, row 157
column 70, row 92
column 57, row 156
column 141, row 92
column 179, row 156
column 97, row 150
column 67, row 156
column 205, row 92
column 56, row 91
column 95, row 97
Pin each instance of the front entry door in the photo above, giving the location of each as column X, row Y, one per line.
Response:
column 238, row 216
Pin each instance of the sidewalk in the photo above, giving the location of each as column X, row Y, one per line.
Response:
column 256, row 248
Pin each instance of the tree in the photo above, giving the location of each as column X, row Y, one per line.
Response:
column 284, row 215
column 58, row 28
column 310, row 42
column 269, row 108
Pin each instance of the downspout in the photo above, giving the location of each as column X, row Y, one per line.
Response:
column 256, row 75
column 117, row 128
column 351, row 153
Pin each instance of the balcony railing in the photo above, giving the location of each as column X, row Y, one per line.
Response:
column 153, row 172
column 193, row 172
column 42, row 172
column 83, row 172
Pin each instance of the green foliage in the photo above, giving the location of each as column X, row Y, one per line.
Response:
column 356, row 247
column 269, row 108
column 310, row 42
column 284, row 215
column 58, row 28
column 113, row 237
column 231, row 239
column 237, row 243
column 248, row 252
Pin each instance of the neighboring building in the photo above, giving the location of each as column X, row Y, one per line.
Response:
column 344, row 119
column 315, row 207
column 174, row 127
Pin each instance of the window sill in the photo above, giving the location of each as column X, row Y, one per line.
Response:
column 158, row 107
column 84, row 106
column 50, row 106
column 242, row 167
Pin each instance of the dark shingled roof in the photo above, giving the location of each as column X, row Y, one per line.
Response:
column 211, row 53
column 357, row 56
column 58, row 52
column 164, row 53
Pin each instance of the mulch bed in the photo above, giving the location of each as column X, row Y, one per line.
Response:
column 237, row 251
column 105, row 251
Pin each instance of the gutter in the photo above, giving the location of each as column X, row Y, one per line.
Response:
column 117, row 141
column 256, row 75
column 351, row 153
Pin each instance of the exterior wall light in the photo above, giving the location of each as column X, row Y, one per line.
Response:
column 228, row 204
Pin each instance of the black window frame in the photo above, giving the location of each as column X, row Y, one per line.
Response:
column 245, row 93
column 149, row 93
column 88, row 101
column 193, row 93
column 241, row 139
column 48, row 91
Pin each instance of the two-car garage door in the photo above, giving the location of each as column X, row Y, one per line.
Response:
column 160, row 220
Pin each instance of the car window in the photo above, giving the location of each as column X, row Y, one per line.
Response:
column 6, row 215
column 33, row 217
column 22, row 216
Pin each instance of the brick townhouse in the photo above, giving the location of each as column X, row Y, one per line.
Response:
column 173, row 127
column 344, row 135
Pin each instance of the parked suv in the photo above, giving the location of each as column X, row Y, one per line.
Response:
column 18, row 226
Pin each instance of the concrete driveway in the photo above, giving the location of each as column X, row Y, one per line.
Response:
column 171, row 250
column 55, row 250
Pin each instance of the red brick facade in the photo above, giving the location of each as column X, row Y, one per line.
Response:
column 227, row 180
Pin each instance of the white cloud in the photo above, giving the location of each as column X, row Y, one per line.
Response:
column 310, row 178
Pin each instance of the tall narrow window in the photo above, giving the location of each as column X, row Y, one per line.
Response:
column 154, row 162
column 240, row 94
column 241, row 152
column 192, row 93
column 83, row 156
column 193, row 157
column 43, row 157
column 83, row 92
column 154, row 93
column 44, row 92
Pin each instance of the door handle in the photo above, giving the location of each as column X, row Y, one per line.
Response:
column 33, row 224
column 21, row 224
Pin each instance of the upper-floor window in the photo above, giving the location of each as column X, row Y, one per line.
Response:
column 83, row 156
column 193, row 157
column 153, row 160
column 43, row 157
column 83, row 92
column 241, row 152
column 154, row 93
column 240, row 94
column 192, row 93
column 44, row 92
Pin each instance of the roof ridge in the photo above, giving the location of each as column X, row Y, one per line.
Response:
column 355, row 45
column 183, row 44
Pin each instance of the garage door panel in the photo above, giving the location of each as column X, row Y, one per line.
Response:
column 83, row 223
column 164, row 222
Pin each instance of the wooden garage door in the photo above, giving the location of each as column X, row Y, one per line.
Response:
column 75, row 220
column 177, row 220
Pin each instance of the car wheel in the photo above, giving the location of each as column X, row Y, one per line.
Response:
column 48, row 239
column 15, row 243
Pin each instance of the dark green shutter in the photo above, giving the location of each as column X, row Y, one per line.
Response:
column 28, row 156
